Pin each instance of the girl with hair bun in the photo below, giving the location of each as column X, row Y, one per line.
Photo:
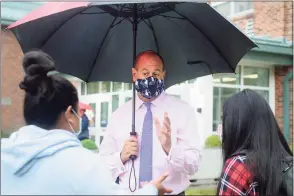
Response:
column 45, row 157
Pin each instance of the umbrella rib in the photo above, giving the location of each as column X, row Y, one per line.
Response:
column 49, row 37
column 153, row 31
column 192, row 62
column 145, row 22
column 104, row 38
column 192, row 23
column 119, row 22
column 154, row 35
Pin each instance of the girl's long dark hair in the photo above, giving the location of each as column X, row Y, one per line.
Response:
column 249, row 124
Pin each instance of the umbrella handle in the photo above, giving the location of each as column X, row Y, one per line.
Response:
column 133, row 133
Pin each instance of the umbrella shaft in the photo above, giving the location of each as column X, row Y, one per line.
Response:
column 135, row 21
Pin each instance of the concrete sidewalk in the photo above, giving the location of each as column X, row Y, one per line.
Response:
column 210, row 167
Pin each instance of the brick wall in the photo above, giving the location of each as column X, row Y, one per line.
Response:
column 280, row 73
column 288, row 27
column 273, row 19
column 11, row 75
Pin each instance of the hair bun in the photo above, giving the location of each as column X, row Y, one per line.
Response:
column 37, row 63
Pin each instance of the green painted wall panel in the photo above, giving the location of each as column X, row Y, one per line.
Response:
column 269, row 58
column 286, row 105
column 13, row 11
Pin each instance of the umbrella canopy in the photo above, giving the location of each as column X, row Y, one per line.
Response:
column 98, row 42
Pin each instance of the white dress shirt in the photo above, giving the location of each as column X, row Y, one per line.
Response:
column 184, row 157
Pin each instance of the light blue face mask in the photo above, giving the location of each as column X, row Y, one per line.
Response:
column 77, row 133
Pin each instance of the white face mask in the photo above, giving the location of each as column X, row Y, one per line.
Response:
column 80, row 122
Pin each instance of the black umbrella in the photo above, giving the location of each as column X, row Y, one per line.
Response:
column 96, row 42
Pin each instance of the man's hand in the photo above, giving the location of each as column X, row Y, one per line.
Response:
column 164, row 133
column 130, row 148
column 158, row 184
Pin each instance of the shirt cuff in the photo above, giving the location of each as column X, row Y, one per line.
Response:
column 121, row 168
column 174, row 152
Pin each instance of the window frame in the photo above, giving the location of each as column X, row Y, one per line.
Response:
column 233, row 12
column 84, row 92
column 242, row 86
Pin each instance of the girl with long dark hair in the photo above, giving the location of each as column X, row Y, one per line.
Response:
column 253, row 148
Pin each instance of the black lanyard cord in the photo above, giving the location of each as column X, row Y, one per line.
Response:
column 132, row 169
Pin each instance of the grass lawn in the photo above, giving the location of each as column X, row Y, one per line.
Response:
column 200, row 191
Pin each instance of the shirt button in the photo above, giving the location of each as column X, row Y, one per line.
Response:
column 122, row 169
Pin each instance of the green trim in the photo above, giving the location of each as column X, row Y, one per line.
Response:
column 266, row 40
column 269, row 58
column 13, row 11
column 6, row 21
column 283, row 50
column 286, row 105
column 273, row 45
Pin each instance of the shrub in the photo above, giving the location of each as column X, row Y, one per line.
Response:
column 89, row 144
column 4, row 134
column 201, row 191
column 213, row 141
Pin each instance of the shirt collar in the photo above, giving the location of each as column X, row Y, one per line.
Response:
column 156, row 102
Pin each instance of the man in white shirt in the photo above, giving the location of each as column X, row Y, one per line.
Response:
column 167, row 139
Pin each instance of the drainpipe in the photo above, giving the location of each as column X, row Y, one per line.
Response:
column 286, row 105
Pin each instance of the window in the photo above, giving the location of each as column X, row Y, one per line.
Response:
column 92, row 138
column 256, row 76
column 117, row 86
column 220, row 95
column 227, row 78
column 104, row 114
column 242, row 6
column 229, row 8
column 105, row 87
column 115, row 102
column 128, row 86
column 127, row 99
column 83, row 88
column 225, row 85
column 192, row 81
column 101, row 139
column 92, row 118
column 92, row 88
column 224, row 8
